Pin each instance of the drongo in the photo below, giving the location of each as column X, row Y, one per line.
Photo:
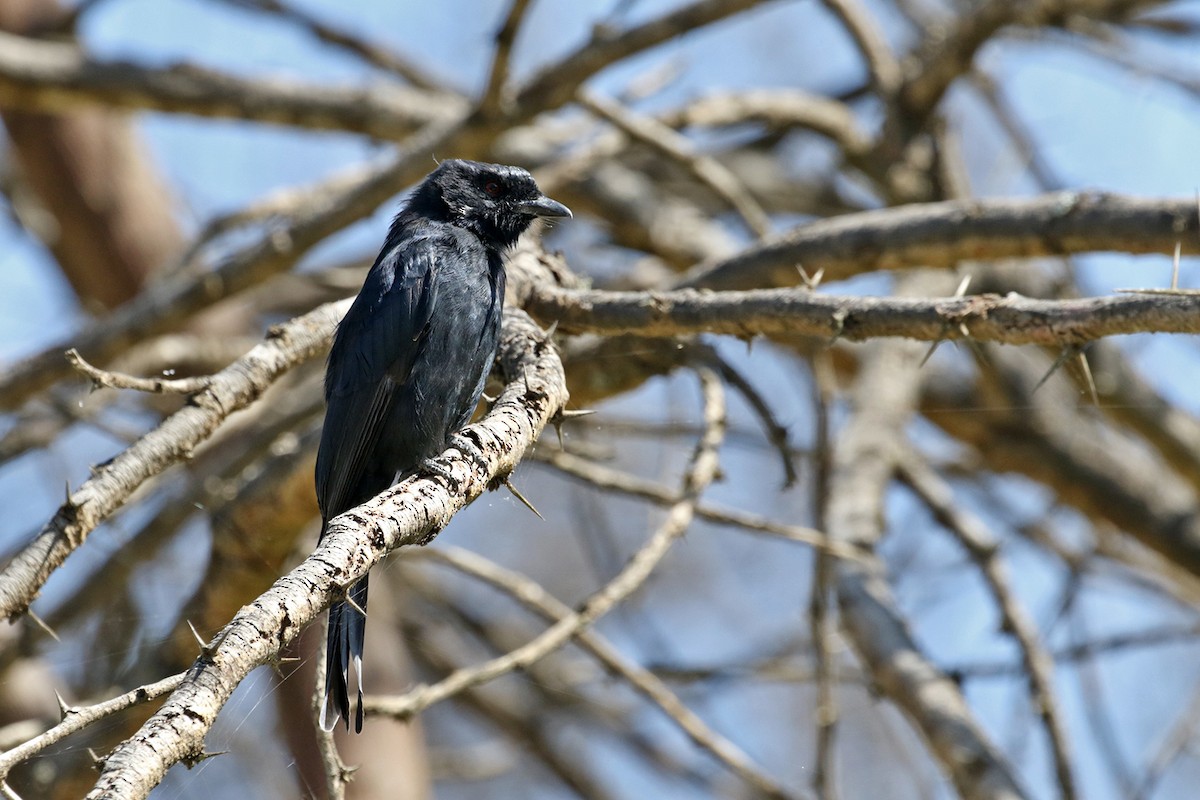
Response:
column 411, row 356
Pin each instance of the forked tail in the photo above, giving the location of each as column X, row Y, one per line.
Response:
column 344, row 644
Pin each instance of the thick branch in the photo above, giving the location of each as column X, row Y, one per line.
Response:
column 799, row 312
column 943, row 234
column 410, row 513
column 49, row 76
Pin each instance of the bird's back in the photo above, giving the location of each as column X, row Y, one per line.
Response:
column 409, row 360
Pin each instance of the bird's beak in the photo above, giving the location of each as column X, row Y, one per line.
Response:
column 543, row 206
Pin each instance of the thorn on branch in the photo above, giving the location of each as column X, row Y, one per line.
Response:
column 64, row 708
column 562, row 416
column 508, row 484
column 1087, row 376
column 933, row 347
column 1063, row 358
column 810, row 282
column 839, row 326
column 45, row 626
column 193, row 759
column 208, row 651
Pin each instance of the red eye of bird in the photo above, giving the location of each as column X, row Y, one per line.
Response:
column 493, row 188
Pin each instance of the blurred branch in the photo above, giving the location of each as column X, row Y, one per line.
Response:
column 945, row 233
column 676, row 147
column 950, row 55
column 368, row 52
column 864, row 458
column 48, row 76
column 881, row 64
column 194, row 286
column 494, row 98
column 777, row 109
column 1043, row 435
column 555, row 84
column 700, row 473
column 983, row 548
column 608, row 479
column 534, row 596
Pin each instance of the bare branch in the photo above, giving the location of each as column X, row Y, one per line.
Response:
column 494, row 92
column 676, row 147
column 412, row 512
column 864, row 459
column 779, row 109
column 614, row 480
column 700, row 474
column 881, row 64
column 48, row 76
column 1011, row 319
column 116, row 380
column 973, row 535
column 111, row 485
column 533, row 596
column 555, row 84
column 76, row 718
column 369, row 52
column 944, row 234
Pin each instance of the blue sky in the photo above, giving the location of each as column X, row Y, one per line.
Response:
column 1100, row 128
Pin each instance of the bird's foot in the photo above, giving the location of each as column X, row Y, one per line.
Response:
column 431, row 466
column 468, row 448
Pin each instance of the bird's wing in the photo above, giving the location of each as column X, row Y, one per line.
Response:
column 372, row 356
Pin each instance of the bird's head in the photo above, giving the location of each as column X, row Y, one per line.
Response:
column 496, row 201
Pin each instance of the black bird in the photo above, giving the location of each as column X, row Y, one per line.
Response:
column 411, row 356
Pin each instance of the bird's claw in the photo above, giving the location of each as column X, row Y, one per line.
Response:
column 468, row 448
column 432, row 467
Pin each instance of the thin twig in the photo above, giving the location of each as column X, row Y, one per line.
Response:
column 820, row 610
column 610, row 479
column 76, row 718
column 701, row 471
column 981, row 545
column 881, row 64
column 116, row 380
column 493, row 98
column 336, row 773
column 534, row 596
column 777, row 433
column 676, row 146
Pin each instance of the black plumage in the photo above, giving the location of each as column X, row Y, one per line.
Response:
column 411, row 356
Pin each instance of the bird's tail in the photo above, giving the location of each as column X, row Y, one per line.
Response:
column 347, row 624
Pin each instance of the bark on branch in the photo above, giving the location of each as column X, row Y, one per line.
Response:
column 112, row 483
column 413, row 512
column 943, row 234
column 1011, row 319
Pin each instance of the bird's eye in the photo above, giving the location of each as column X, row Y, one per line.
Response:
column 494, row 188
